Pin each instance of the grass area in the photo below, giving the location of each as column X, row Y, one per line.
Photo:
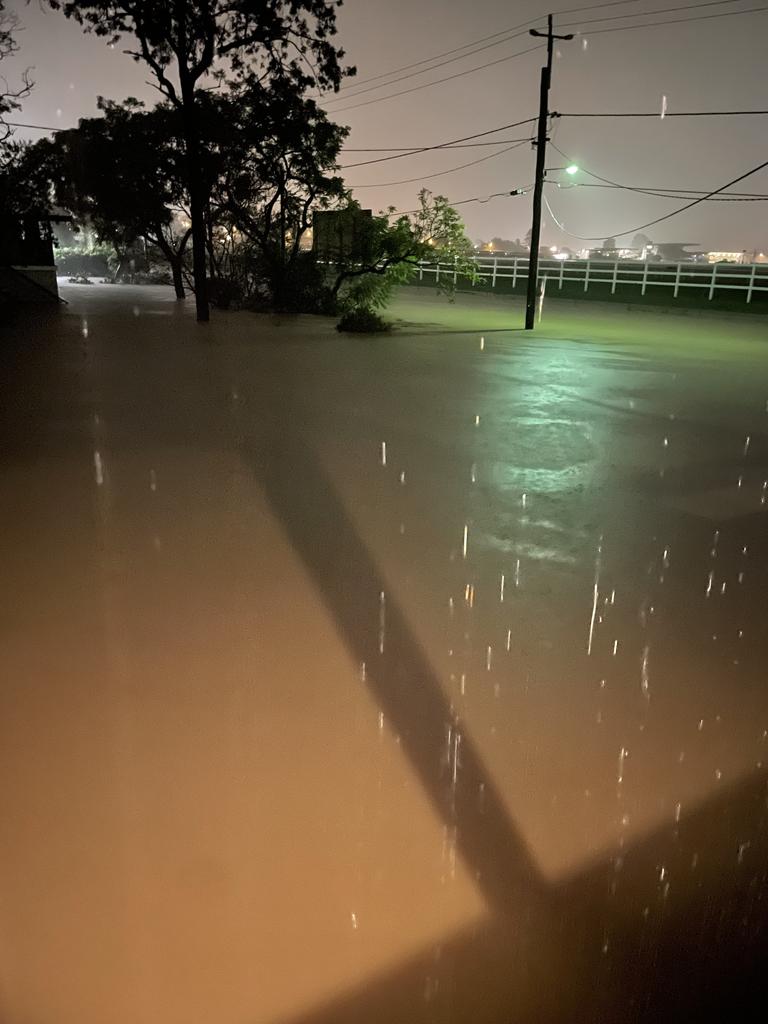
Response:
column 711, row 334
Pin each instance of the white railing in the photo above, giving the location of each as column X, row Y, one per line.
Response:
column 747, row 278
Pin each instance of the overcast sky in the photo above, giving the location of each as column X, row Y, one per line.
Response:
column 704, row 65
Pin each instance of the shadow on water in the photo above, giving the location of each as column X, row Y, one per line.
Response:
column 670, row 928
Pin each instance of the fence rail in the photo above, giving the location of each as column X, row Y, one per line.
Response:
column 748, row 278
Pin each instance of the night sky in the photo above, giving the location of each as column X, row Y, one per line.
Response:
column 704, row 65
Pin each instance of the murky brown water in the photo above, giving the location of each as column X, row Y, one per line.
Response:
column 379, row 681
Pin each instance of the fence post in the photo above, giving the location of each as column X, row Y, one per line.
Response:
column 615, row 276
column 562, row 268
column 645, row 277
column 751, row 283
column 514, row 274
column 677, row 281
column 455, row 262
column 586, row 277
column 421, row 271
column 712, row 283
column 493, row 277
column 437, row 271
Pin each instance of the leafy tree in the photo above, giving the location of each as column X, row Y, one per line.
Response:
column 278, row 161
column 609, row 243
column 387, row 252
column 124, row 173
column 188, row 44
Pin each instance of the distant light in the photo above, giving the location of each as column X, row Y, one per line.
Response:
column 561, row 256
column 553, row 248
column 572, row 169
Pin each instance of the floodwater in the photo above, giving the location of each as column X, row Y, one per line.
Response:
column 382, row 680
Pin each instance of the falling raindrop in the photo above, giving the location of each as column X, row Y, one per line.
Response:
column 590, row 635
column 152, row 480
column 464, row 542
column 402, row 477
column 488, row 658
column 644, row 685
column 383, row 453
column 382, row 621
column 98, row 467
column 482, row 344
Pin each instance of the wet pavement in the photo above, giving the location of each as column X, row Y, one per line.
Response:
column 418, row 678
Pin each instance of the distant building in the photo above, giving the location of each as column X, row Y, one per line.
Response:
column 725, row 257
column 677, row 252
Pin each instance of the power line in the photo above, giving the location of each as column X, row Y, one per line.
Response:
column 659, row 10
column 40, row 127
column 692, row 193
column 677, row 113
column 410, row 149
column 670, row 193
column 666, row 216
column 556, row 114
column 520, row 53
column 439, row 174
column 443, row 145
column 481, row 67
column 433, row 67
column 474, row 42
column 670, row 21
column 474, row 199
column 438, row 81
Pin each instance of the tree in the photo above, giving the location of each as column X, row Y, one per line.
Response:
column 9, row 98
column 387, row 252
column 641, row 241
column 190, row 43
column 609, row 243
column 124, row 173
column 278, row 162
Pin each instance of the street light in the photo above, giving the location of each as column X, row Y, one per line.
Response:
column 570, row 169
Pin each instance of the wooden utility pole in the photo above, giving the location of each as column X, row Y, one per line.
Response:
column 541, row 156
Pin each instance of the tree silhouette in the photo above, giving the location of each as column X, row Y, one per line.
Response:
column 190, row 44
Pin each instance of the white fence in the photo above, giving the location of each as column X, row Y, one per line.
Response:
column 716, row 277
